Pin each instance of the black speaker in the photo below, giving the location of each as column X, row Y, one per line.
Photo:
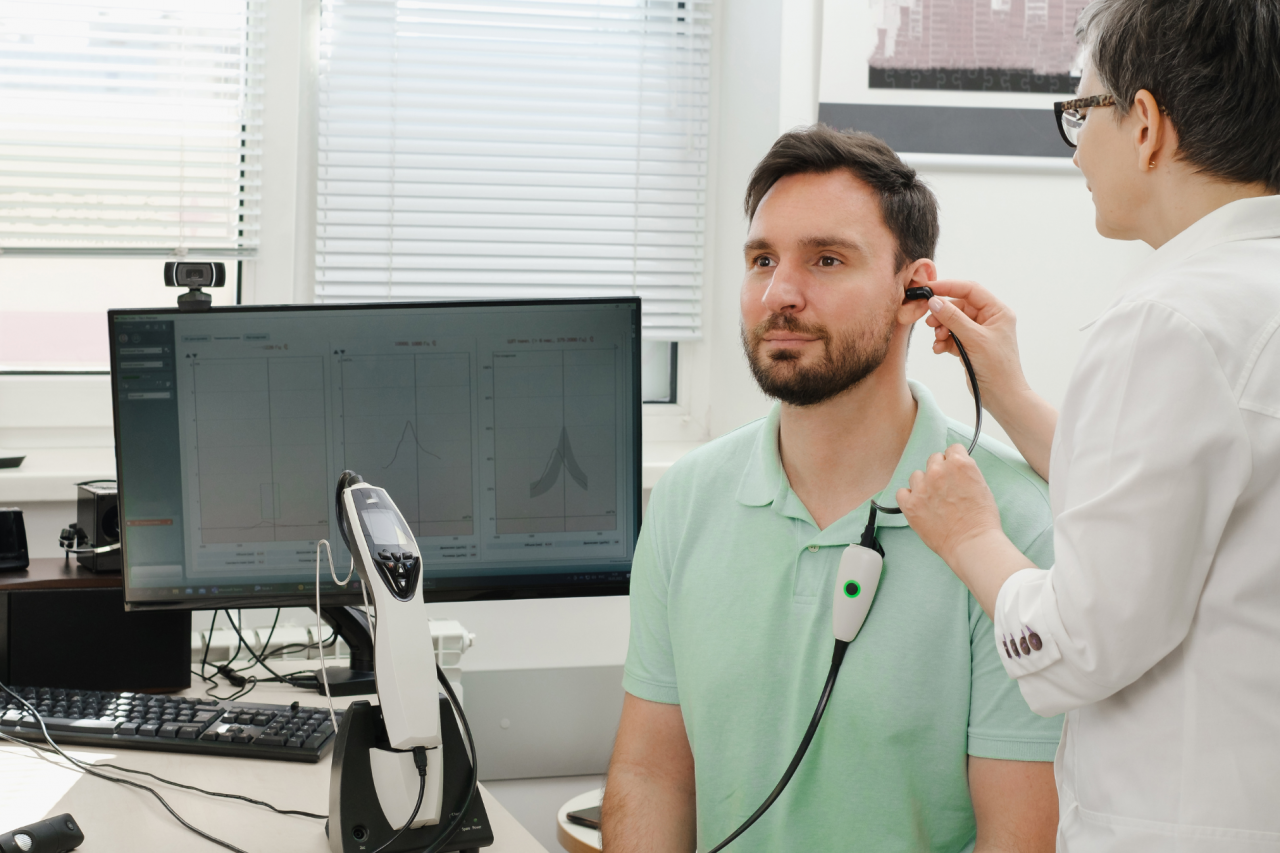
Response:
column 84, row 638
column 13, row 541
column 98, row 515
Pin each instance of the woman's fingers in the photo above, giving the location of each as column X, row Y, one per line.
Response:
column 949, row 315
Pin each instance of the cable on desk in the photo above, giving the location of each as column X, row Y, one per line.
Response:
column 251, row 800
column 92, row 771
column 301, row 681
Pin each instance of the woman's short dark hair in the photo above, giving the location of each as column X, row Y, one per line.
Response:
column 908, row 206
column 1213, row 65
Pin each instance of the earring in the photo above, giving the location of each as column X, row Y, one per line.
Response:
column 1152, row 164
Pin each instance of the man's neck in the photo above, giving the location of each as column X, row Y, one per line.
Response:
column 839, row 453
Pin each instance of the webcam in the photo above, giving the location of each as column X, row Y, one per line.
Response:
column 194, row 276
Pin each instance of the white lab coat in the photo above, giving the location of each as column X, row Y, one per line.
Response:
column 1159, row 625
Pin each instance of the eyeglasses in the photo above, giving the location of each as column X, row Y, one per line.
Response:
column 1068, row 115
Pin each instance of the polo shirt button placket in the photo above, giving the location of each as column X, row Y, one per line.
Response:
column 813, row 549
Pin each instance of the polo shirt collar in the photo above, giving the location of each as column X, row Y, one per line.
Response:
column 1243, row 219
column 764, row 481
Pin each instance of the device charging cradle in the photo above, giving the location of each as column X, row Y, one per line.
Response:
column 361, row 826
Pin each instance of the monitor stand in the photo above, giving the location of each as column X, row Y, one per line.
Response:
column 358, row 678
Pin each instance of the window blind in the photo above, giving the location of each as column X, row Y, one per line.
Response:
column 515, row 148
column 130, row 128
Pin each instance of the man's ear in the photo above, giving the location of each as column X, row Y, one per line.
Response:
column 917, row 274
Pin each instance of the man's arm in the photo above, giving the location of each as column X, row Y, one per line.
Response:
column 649, row 795
column 1015, row 804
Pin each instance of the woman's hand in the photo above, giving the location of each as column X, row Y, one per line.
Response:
column 988, row 330
column 948, row 503
column 952, row 510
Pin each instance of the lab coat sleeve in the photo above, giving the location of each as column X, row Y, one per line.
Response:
column 1152, row 454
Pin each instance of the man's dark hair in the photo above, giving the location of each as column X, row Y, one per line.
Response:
column 1213, row 65
column 909, row 208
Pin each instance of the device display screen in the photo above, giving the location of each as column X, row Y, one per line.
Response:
column 385, row 528
column 506, row 433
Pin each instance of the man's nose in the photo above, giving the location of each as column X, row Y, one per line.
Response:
column 786, row 289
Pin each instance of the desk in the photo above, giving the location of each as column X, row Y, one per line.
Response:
column 57, row 573
column 117, row 818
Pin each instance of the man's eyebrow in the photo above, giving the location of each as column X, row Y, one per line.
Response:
column 821, row 242
column 761, row 245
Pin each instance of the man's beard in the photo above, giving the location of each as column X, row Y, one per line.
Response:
column 846, row 360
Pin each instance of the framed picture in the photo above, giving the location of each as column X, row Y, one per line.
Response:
column 951, row 76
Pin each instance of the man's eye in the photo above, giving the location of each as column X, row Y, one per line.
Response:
column 828, row 261
column 764, row 262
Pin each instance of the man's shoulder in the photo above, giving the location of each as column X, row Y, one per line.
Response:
column 1021, row 495
column 723, row 458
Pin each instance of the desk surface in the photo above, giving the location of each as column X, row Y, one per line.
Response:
column 57, row 573
column 117, row 818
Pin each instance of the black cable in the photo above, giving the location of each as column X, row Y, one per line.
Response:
column 328, row 642
column 240, row 643
column 420, row 761
column 977, row 393
column 837, row 656
column 977, row 425
column 266, row 644
column 204, row 659
column 258, row 657
column 475, row 766
column 90, row 770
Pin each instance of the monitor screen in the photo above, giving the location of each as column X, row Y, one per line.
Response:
column 507, row 434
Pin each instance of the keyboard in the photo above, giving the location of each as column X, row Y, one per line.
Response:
column 170, row 723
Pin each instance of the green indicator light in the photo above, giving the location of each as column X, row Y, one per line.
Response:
column 852, row 589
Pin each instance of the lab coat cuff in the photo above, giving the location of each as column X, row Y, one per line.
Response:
column 1026, row 623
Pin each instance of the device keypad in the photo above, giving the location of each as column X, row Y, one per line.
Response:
column 399, row 570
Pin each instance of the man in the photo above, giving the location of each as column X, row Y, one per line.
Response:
column 926, row 743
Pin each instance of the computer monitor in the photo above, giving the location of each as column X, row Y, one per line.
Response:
column 508, row 434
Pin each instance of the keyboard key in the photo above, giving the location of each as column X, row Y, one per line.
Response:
column 297, row 740
column 270, row 740
column 127, row 728
column 241, row 736
column 148, row 729
column 63, row 724
column 205, row 716
column 189, row 732
column 315, row 740
column 169, row 730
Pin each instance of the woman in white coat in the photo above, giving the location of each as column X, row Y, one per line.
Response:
column 1158, row 628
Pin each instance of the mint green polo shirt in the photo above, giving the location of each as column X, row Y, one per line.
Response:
column 731, row 619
